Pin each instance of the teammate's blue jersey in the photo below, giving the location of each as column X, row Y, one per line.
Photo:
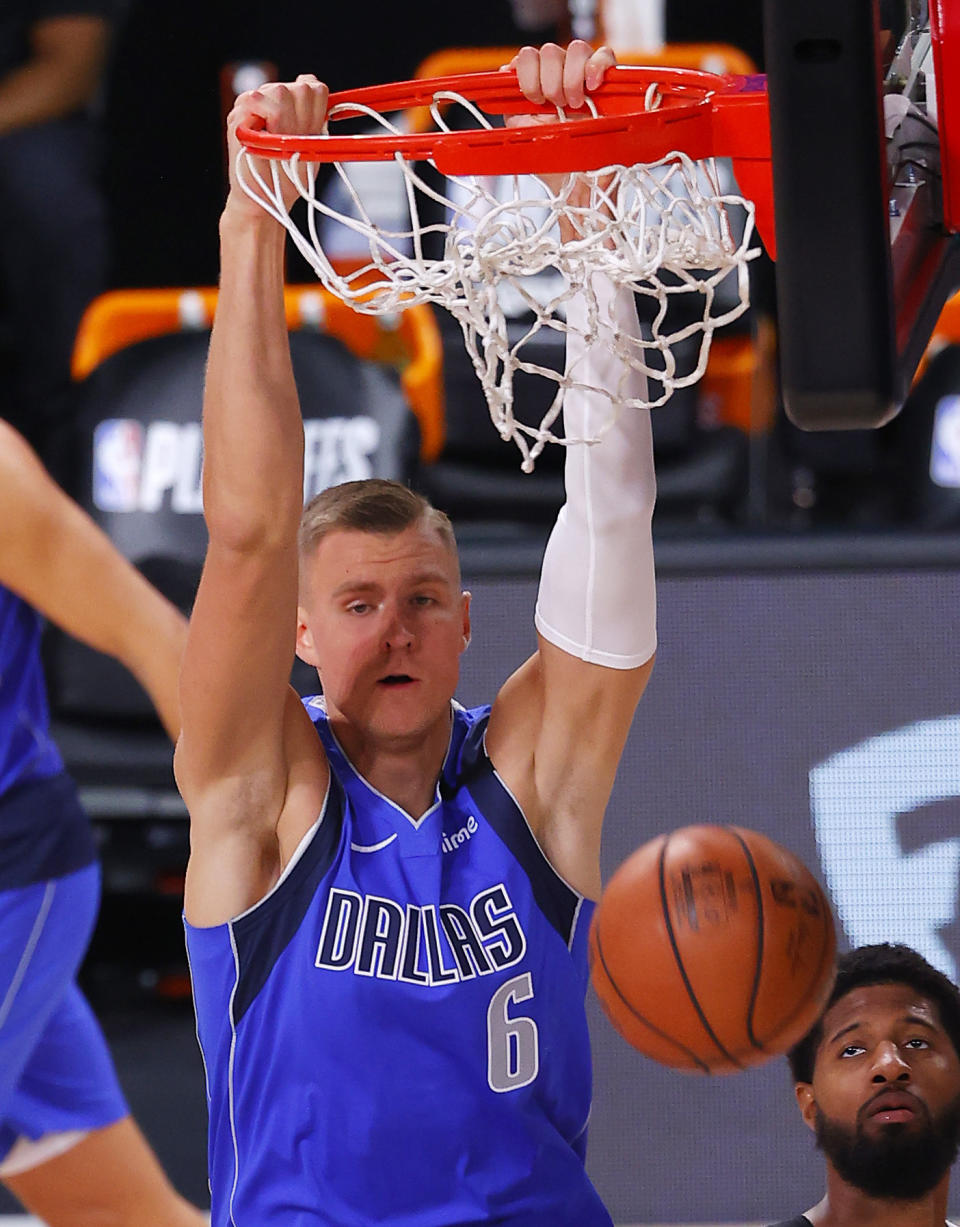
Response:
column 26, row 750
column 396, row 1034
column 43, row 831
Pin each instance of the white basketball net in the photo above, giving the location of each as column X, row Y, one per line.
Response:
column 665, row 230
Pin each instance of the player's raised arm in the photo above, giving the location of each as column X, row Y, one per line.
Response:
column 560, row 723
column 55, row 558
column 240, row 717
column 61, row 71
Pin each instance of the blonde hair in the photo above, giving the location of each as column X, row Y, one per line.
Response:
column 374, row 505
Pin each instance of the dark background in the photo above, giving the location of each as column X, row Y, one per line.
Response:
column 164, row 165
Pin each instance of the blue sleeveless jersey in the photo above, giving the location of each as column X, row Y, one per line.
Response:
column 396, row 1034
column 43, row 831
column 26, row 750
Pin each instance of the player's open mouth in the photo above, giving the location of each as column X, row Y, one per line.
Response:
column 396, row 679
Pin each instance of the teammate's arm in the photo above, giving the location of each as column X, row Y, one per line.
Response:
column 243, row 727
column 59, row 561
column 560, row 723
column 61, row 74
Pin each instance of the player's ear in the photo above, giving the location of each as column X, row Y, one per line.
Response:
column 305, row 645
column 806, row 1103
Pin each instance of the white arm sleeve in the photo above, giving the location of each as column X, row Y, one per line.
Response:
column 597, row 597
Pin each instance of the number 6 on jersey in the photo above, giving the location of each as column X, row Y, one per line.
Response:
column 513, row 1045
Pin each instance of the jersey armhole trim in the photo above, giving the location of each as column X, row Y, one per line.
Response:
column 265, row 900
column 578, row 895
column 553, row 883
column 294, row 860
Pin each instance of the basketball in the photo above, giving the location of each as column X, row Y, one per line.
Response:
column 712, row 949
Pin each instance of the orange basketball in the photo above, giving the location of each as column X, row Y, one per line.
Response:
column 712, row 949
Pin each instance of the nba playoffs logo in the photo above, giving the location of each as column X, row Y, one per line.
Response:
column 117, row 451
column 885, row 816
column 141, row 468
column 137, row 468
column 337, row 450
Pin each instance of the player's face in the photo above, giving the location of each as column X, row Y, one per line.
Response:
column 885, row 1097
column 385, row 622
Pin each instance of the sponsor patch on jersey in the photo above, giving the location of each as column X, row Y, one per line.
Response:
column 456, row 839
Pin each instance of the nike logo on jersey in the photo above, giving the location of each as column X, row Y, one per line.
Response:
column 374, row 847
column 428, row 945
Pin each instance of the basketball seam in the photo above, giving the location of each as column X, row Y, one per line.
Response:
column 665, row 908
column 636, row 1013
column 758, row 970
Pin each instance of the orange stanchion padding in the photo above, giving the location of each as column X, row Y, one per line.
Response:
column 410, row 341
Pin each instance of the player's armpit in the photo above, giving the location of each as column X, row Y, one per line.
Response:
column 245, row 825
column 228, row 872
column 556, row 734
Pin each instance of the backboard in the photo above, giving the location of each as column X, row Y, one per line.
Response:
column 865, row 122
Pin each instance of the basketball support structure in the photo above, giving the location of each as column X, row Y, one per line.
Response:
column 864, row 266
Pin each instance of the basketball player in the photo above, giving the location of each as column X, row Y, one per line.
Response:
column 69, row 1149
column 878, row 1082
column 388, row 895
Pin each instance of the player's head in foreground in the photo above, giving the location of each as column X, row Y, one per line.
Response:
column 878, row 1081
